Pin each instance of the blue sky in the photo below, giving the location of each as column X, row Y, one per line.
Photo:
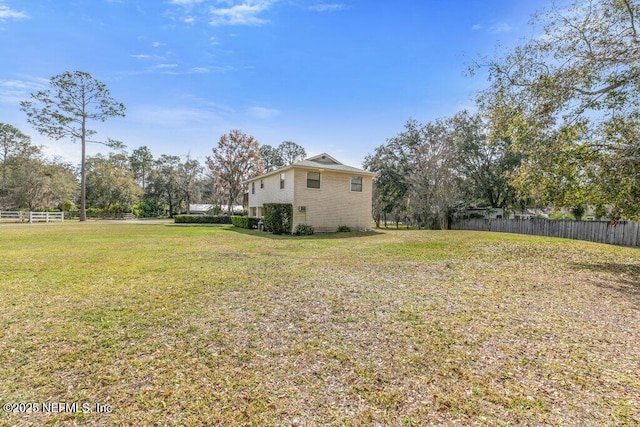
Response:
column 335, row 76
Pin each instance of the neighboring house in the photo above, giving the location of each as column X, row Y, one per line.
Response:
column 199, row 208
column 205, row 208
column 530, row 214
column 324, row 193
column 490, row 213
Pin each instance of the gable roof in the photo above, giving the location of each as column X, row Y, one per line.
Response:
column 321, row 162
column 324, row 158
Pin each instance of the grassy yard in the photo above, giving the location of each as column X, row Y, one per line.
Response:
column 198, row 325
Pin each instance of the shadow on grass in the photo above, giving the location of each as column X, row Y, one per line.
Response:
column 317, row 236
column 625, row 278
column 180, row 224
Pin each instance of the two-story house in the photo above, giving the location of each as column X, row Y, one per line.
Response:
column 324, row 193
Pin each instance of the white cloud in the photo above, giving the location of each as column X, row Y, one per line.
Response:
column 176, row 70
column 156, row 44
column 166, row 116
column 476, row 27
column 327, row 7
column 185, row 2
column 17, row 84
column 244, row 12
column 141, row 56
column 500, row 28
column 7, row 13
column 15, row 91
column 165, row 66
column 263, row 112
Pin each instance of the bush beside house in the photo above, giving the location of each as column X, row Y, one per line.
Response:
column 245, row 222
column 278, row 217
column 201, row 219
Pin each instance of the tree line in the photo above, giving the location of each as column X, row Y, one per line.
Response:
column 558, row 126
column 136, row 181
column 119, row 182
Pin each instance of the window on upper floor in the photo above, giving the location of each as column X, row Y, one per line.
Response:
column 313, row 179
column 253, row 188
column 282, row 175
column 356, row 184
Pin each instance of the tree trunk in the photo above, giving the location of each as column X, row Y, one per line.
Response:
column 83, row 176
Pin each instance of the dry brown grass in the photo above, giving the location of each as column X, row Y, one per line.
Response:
column 210, row 326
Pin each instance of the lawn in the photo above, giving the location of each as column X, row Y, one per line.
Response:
column 161, row 324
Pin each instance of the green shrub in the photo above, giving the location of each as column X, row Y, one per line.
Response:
column 343, row 229
column 148, row 208
column 277, row 217
column 201, row 219
column 245, row 222
column 600, row 212
column 578, row 212
column 215, row 210
column 304, row 230
column 67, row 206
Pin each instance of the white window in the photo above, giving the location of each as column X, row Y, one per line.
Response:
column 282, row 175
column 356, row 184
column 313, row 179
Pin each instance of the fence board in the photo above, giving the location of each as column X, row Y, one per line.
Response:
column 625, row 233
column 23, row 216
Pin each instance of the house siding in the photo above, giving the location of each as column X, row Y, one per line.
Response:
column 333, row 204
column 272, row 193
column 325, row 208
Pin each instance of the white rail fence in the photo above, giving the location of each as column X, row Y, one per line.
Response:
column 31, row 217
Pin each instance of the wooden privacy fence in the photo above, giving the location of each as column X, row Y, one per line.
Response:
column 624, row 233
column 20, row 216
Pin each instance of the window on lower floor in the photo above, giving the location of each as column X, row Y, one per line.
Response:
column 356, row 183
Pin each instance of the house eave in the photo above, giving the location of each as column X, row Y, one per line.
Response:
column 318, row 167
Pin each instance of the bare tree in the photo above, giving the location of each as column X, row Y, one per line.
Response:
column 234, row 160
column 290, row 152
column 271, row 158
column 188, row 173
